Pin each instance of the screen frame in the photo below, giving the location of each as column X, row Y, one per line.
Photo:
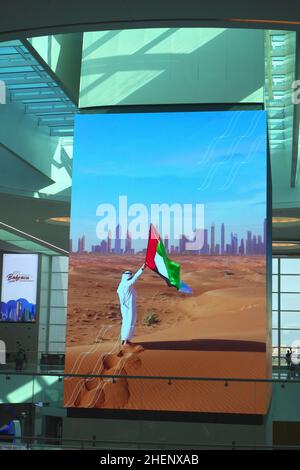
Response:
column 171, row 108
column 190, row 416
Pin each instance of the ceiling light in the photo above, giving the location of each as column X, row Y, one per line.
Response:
column 58, row 220
column 285, row 220
column 284, row 245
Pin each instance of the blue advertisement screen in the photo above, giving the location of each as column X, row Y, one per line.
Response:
column 19, row 287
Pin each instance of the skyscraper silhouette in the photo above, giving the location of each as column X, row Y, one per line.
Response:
column 103, row 247
column 109, row 242
column 118, row 240
column 166, row 243
column 81, row 244
column 128, row 243
column 249, row 243
column 234, row 244
column 242, row 247
column 254, row 245
column 222, row 239
column 212, row 239
column 182, row 244
column 205, row 249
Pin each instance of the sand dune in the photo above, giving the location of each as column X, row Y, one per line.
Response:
column 207, row 396
column 219, row 331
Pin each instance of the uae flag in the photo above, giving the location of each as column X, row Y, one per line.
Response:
column 158, row 261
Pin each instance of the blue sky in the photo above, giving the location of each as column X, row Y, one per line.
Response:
column 213, row 158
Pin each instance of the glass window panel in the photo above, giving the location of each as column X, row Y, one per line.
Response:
column 274, row 301
column 44, row 280
column 290, row 320
column 275, row 319
column 275, row 283
column 57, row 347
column 18, row 389
column 43, row 298
column 60, row 264
column 42, row 334
column 42, row 346
column 290, row 266
column 57, row 333
column 60, row 281
column 43, row 315
column 290, row 302
column 290, row 283
column 274, row 339
column 47, row 389
column 59, row 298
column 287, row 337
column 275, row 265
column 45, row 263
column 58, row 316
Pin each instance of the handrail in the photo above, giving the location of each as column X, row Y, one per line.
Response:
column 63, row 375
column 27, row 440
column 49, row 353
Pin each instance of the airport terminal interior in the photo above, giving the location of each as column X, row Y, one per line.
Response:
column 169, row 112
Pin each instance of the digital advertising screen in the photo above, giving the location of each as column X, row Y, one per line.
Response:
column 19, row 287
column 168, row 256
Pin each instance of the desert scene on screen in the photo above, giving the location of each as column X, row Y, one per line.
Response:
column 218, row 331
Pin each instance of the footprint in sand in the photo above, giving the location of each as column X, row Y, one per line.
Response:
column 92, row 383
column 99, row 392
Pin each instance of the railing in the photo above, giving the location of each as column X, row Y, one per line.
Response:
column 56, row 363
column 40, row 366
column 244, row 392
column 168, row 378
column 56, row 443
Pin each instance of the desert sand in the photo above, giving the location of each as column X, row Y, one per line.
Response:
column 218, row 331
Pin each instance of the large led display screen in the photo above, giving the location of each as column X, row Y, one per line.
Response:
column 19, row 287
column 168, row 262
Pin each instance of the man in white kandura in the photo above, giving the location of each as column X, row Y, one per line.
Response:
column 127, row 297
